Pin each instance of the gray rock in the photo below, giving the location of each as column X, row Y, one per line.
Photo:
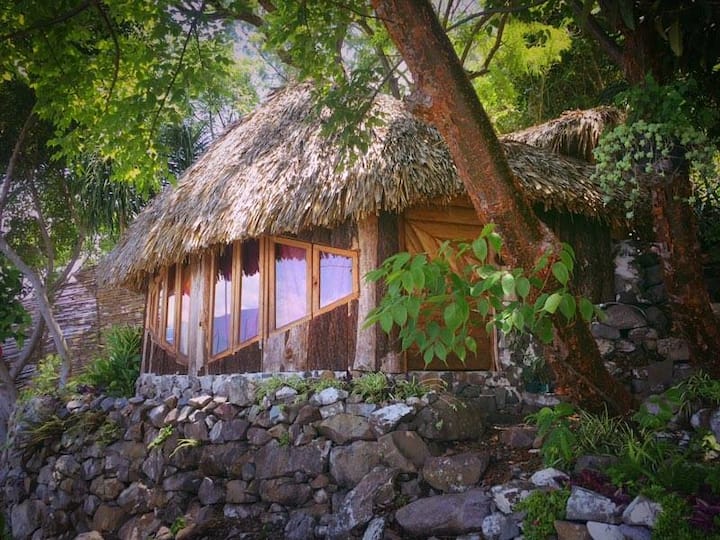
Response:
column 328, row 396
column 635, row 533
column 455, row 473
column 361, row 409
column 701, row 419
column 285, row 491
column 286, row 393
column 714, row 424
column 196, row 430
column 518, row 436
column 549, row 477
column 657, row 320
column 328, row 411
column 343, row 428
column 506, row 496
column 375, row 530
column 604, row 531
column 156, row 416
column 240, row 391
column 657, row 294
column 568, row 530
column 258, row 436
column 600, row 330
column 108, row 518
column 300, row 526
column 386, row 419
column 307, row 414
column 272, row 460
column 498, row 526
column 107, row 489
column 184, row 481
column 26, row 517
column 238, row 492
column 92, row 535
column 674, row 349
column 210, row 492
column 624, row 317
column 451, row 419
column 349, row 464
column 135, row 498
column 586, row 505
column 642, row 511
column 595, row 463
column 153, row 465
column 403, row 450
column 357, row 509
column 445, row 515
column 67, row 466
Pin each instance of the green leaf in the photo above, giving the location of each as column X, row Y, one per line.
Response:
column 495, row 242
column 483, row 306
column 675, row 38
column 452, row 316
column 560, row 272
column 568, row 306
column 586, row 309
column 552, row 302
column 386, row 321
column 471, row 344
column 480, row 249
column 522, row 286
column 428, row 355
column 399, row 314
column 508, row 284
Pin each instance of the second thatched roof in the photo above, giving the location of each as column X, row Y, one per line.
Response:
column 275, row 172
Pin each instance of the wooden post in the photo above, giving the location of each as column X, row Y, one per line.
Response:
column 366, row 341
column 196, row 326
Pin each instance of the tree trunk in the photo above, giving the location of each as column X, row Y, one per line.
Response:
column 45, row 309
column 676, row 232
column 447, row 99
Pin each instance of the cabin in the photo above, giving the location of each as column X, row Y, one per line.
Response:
column 254, row 261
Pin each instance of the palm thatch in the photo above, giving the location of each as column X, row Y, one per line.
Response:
column 574, row 134
column 275, row 173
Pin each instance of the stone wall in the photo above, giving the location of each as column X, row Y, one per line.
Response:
column 193, row 454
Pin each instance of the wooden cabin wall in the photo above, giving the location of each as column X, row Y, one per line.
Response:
column 591, row 239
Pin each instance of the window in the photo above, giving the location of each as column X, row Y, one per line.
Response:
column 337, row 272
column 170, row 307
column 236, row 296
column 290, row 283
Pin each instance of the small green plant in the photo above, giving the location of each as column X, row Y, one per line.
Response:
column 542, row 509
column 163, row 435
column 318, row 385
column 268, row 387
column 108, row 432
column 372, row 387
column 45, row 380
column 116, row 373
column 284, row 439
column 185, row 443
column 405, row 388
column 601, row 434
column 559, row 438
column 672, row 523
column 177, row 525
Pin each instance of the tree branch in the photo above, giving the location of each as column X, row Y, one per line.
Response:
column 14, row 157
column 48, row 22
column 495, row 11
column 384, row 60
column 44, row 230
column 496, row 46
column 116, row 59
column 592, row 27
column 29, row 348
column 471, row 38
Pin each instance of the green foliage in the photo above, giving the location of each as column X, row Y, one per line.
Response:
column 177, row 525
column 45, row 379
column 116, row 373
column 163, row 435
column 601, row 434
column 267, row 387
column 666, row 127
column 405, row 388
column 542, row 509
column 434, row 305
column 115, row 72
column 77, row 425
column 559, row 439
column 284, row 439
column 14, row 319
column 185, row 443
column 372, row 387
column 672, row 523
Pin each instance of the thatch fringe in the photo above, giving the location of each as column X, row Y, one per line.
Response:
column 574, row 134
column 275, row 173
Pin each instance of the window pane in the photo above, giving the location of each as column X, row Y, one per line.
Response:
column 336, row 277
column 184, row 307
column 290, row 284
column 160, row 304
column 250, row 290
column 170, row 307
column 222, row 314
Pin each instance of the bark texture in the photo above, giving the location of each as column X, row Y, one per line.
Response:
column 445, row 97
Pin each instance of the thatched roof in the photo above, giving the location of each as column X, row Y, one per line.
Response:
column 574, row 134
column 275, row 172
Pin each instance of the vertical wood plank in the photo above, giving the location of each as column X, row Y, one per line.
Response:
column 366, row 338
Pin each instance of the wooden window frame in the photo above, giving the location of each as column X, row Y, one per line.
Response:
column 271, row 298
column 159, row 332
column 355, row 293
column 234, row 343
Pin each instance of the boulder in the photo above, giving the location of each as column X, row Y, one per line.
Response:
column 445, row 515
column 635, row 533
column 624, row 317
column 455, row 473
column 403, row 450
column 375, row 530
column 349, row 464
column 357, row 509
column 300, row 526
column 108, row 518
column 549, row 477
column 328, row 396
column 451, row 419
column 285, row 491
column 506, row 496
column 642, row 511
column 26, row 517
column 568, row 530
column 518, row 436
column 273, row 460
column 674, row 349
column 343, row 428
column 384, row 420
column 586, row 505
column 498, row 526
column 604, row 531
column 211, row 492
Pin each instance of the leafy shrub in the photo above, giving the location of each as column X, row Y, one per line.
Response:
column 542, row 509
column 44, row 380
column 116, row 373
column 559, row 440
column 268, row 387
column 372, row 387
